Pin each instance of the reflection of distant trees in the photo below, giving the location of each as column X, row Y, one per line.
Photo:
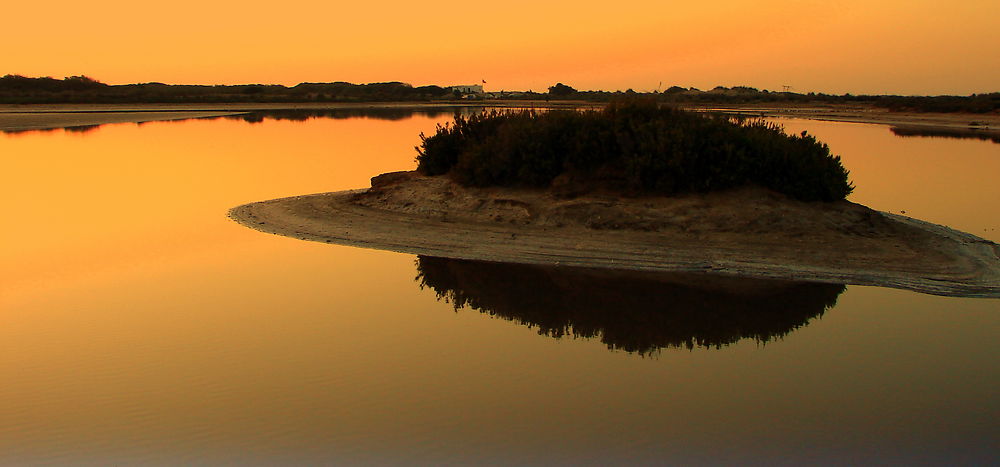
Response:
column 81, row 128
column 301, row 115
column 632, row 311
column 376, row 113
column 19, row 131
column 960, row 133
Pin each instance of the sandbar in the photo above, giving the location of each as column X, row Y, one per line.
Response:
column 749, row 232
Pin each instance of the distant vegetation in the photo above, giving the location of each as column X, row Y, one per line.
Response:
column 632, row 147
column 81, row 89
column 561, row 90
column 743, row 95
column 375, row 113
column 15, row 89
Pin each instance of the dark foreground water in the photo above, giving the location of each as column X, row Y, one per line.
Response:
column 139, row 326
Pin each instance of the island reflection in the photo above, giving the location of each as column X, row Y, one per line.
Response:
column 633, row 311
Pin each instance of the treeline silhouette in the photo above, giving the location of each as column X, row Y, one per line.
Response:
column 975, row 103
column 633, row 311
column 16, row 89
column 744, row 95
column 633, row 147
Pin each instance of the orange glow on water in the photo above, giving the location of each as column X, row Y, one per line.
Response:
column 940, row 180
column 140, row 326
column 123, row 198
column 894, row 46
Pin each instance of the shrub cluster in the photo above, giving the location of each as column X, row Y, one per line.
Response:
column 635, row 147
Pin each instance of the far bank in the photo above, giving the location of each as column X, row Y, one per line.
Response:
column 26, row 117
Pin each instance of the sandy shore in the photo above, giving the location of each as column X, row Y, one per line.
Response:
column 45, row 116
column 746, row 234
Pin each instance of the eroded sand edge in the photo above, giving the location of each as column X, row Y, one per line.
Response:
column 748, row 233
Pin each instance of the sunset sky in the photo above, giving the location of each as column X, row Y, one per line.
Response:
column 884, row 47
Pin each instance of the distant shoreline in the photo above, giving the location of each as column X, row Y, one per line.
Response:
column 27, row 117
column 987, row 124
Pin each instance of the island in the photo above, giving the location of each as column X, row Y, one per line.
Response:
column 638, row 186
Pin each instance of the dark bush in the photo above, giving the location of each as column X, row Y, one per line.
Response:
column 561, row 90
column 634, row 147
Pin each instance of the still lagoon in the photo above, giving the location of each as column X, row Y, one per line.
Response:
column 140, row 326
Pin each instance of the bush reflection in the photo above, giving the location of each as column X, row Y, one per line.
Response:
column 973, row 132
column 633, row 311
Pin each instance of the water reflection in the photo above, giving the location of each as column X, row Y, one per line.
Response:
column 19, row 131
column 139, row 326
column 628, row 310
column 957, row 133
column 258, row 116
column 81, row 128
column 374, row 113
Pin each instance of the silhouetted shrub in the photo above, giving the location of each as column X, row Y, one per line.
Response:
column 634, row 147
column 561, row 90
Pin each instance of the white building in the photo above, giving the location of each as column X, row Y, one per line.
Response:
column 469, row 88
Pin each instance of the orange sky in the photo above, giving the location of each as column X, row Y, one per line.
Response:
column 889, row 46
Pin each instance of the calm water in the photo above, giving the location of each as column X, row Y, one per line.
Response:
column 139, row 326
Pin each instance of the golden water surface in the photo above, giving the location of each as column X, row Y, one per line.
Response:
column 139, row 326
